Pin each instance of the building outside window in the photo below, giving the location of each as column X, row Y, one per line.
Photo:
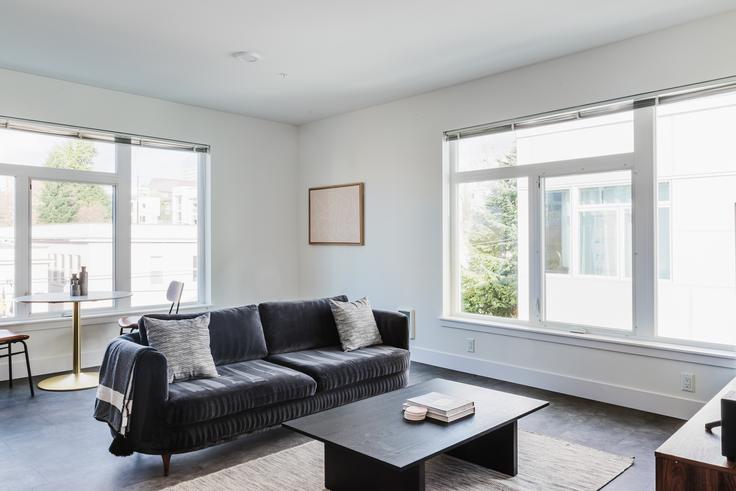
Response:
column 165, row 235
column 127, row 208
column 595, row 287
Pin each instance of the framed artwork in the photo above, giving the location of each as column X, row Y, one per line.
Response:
column 336, row 215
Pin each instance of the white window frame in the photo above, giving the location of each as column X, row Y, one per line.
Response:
column 625, row 164
column 120, row 180
column 644, row 208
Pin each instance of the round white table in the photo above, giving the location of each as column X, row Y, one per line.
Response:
column 77, row 379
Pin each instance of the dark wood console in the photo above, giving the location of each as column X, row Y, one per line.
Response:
column 691, row 458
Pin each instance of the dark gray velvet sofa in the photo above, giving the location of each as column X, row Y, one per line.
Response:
column 277, row 361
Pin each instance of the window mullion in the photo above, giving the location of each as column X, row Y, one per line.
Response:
column 536, row 237
column 643, row 217
column 454, row 279
column 54, row 174
column 122, row 235
column 22, row 243
column 203, row 229
column 448, row 219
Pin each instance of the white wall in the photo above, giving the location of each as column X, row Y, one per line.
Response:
column 254, row 188
column 396, row 149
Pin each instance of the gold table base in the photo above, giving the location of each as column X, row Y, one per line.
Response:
column 70, row 381
column 77, row 380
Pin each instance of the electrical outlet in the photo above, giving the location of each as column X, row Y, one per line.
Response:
column 470, row 345
column 687, row 382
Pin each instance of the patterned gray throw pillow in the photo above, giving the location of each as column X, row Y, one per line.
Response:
column 186, row 345
column 356, row 325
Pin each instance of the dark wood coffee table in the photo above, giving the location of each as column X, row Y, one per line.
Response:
column 368, row 444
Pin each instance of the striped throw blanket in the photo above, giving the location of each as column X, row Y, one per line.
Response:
column 114, row 403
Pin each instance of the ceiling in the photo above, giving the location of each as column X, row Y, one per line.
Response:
column 339, row 55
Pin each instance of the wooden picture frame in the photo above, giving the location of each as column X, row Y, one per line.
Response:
column 336, row 214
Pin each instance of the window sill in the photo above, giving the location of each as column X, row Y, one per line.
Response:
column 655, row 349
column 94, row 319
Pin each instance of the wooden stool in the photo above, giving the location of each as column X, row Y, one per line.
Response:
column 7, row 339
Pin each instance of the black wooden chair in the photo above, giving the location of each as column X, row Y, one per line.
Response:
column 7, row 340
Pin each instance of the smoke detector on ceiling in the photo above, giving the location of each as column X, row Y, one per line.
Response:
column 247, row 56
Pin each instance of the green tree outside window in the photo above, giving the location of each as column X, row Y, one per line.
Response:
column 67, row 202
column 490, row 278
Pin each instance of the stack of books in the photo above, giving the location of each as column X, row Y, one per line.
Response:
column 442, row 407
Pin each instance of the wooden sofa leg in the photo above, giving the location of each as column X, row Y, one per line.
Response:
column 167, row 460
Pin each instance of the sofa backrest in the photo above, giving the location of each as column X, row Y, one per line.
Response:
column 236, row 333
column 299, row 325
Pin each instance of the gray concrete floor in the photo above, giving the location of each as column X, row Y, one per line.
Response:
column 52, row 442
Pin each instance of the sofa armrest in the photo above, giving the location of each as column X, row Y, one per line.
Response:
column 394, row 328
column 150, row 392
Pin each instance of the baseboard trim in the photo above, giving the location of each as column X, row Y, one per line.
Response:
column 48, row 364
column 631, row 397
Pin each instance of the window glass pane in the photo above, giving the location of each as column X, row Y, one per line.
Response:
column 590, row 196
column 598, row 290
column 606, row 195
column 598, row 243
column 628, row 243
column 164, row 228
column 493, row 248
column 663, row 191
column 616, row 194
column 27, row 148
column 587, row 137
column 487, row 151
column 663, row 243
column 557, row 231
column 71, row 227
column 7, row 249
column 696, row 151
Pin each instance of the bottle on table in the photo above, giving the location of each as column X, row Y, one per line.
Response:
column 83, row 281
column 74, row 289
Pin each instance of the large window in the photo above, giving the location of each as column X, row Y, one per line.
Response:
column 130, row 209
column 618, row 219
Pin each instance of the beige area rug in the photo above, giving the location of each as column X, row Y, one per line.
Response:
column 544, row 463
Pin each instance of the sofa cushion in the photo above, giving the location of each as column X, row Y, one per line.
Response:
column 241, row 386
column 355, row 323
column 236, row 333
column 299, row 325
column 186, row 345
column 333, row 368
